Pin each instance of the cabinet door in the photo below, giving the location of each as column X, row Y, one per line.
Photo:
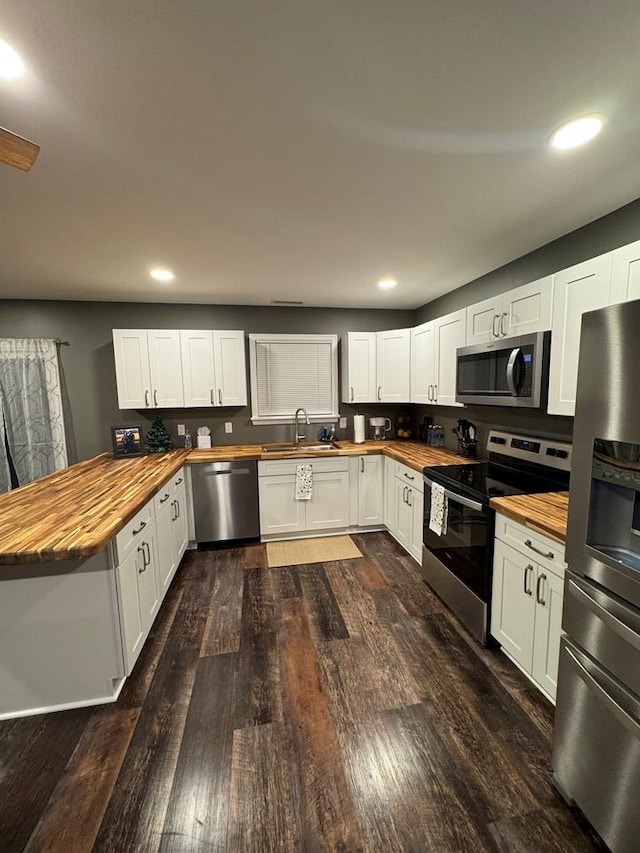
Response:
column 394, row 366
column 165, row 362
column 483, row 321
column 230, row 368
column 513, row 603
column 198, row 377
column 131, row 624
column 133, row 379
column 328, row 508
column 584, row 287
column 148, row 581
column 359, row 367
column 423, row 373
column 527, row 309
column 549, row 594
column 390, row 496
column 280, row 512
column 370, row 490
column 179, row 523
column 625, row 278
column 165, row 554
column 404, row 517
column 449, row 335
column 416, row 501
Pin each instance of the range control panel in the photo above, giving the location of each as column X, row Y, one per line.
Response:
column 544, row 451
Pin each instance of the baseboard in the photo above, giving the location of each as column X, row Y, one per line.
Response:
column 66, row 706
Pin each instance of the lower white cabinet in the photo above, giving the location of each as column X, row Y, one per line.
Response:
column 526, row 604
column 370, row 490
column 170, row 506
column 407, row 491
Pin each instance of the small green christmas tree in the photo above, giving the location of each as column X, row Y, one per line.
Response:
column 158, row 439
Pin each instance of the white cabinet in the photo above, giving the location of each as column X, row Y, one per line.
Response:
column 433, row 359
column 625, row 278
column 213, row 368
column 390, row 505
column 281, row 514
column 370, row 490
column 179, row 523
column 393, row 366
column 170, row 508
column 359, row 373
column 148, row 368
column 519, row 311
column 407, row 490
column 584, row 287
column 526, row 603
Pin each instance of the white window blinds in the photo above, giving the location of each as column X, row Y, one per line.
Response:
column 289, row 371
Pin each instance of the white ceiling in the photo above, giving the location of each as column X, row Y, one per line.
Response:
column 303, row 149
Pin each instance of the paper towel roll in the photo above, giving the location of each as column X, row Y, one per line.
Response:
column 358, row 429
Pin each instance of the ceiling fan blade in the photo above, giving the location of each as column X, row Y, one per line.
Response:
column 16, row 151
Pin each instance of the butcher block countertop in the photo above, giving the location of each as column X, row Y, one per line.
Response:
column 73, row 513
column 546, row 513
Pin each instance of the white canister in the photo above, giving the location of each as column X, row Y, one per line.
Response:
column 358, row 429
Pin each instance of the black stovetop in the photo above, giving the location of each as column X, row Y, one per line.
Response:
column 484, row 480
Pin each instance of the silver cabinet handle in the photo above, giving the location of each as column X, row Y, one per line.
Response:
column 502, row 331
column 177, row 509
column 409, row 476
column 140, row 529
column 409, row 492
column 405, row 489
column 430, row 392
column 212, row 398
column 351, row 390
column 494, row 334
column 527, row 589
column 219, row 396
column 435, row 393
column 362, row 464
column 144, row 562
column 549, row 554
column 541, row 579
column 155, row 397
column 165, row 498
column 146, row 545
column 146, row 396
column 379, row 391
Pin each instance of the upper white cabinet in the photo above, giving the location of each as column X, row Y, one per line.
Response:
column 393, row 366
column 433, row 359
column 625, row 278
column 213, row 368
column 148, row 369
column 359, row 372
column 519, row 311
column 584, row 287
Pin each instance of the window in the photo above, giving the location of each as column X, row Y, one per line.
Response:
column 289, row 371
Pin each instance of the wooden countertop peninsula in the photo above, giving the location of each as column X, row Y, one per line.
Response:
column 546, row 513
column 73, row 513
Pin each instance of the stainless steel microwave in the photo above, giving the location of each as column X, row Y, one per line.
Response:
column 507, row 372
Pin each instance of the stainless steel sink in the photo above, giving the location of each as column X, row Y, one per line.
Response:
column 308, row 447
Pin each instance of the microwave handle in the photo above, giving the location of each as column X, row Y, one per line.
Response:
column 516, row 355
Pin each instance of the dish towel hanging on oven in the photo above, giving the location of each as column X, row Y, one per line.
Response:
column 304, row 482
column 439, row 510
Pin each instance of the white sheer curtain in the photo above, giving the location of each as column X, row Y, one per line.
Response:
column 32, row 439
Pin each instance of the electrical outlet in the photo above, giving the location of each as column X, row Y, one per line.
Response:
column 343, row 423
column 180, row 429
column 228, row 426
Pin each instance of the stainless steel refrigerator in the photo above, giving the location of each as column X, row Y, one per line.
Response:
column 596, row 750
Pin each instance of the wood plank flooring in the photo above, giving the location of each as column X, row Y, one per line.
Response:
column 328, row 707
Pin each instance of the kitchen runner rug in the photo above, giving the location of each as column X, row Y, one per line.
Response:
column 299, row 551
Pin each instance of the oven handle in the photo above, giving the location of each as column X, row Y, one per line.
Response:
column 458, row 499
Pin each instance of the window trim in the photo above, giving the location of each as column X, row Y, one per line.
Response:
column 283, row 338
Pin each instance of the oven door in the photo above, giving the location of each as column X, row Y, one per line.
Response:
column 466, row 548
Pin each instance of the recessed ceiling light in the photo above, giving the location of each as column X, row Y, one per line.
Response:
column 11, row 66
column 387, row 283
column 576, row 132
column 161, row 274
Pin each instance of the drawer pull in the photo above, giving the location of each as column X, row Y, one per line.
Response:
column 178, row 481
column 409, row 476
column 541, row 579
column 140, row 529
column 165, row 498
column 548, row 554
column 527, row 588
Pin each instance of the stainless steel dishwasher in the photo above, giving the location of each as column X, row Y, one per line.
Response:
column 225, row 500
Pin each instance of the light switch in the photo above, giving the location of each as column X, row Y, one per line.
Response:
column 343, row 423
column 228, row 426
column 180, row 429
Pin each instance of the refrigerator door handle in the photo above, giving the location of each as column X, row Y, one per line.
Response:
column 605, row 697
column 576, row 588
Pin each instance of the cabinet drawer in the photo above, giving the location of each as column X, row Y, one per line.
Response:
column 410, row 477
column 545, row 551
column 132, row 532
column 162, row 498
column 288, row 466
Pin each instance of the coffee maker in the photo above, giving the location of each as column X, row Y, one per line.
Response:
column 381, row 426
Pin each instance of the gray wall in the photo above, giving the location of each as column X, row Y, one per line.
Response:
column 88, row 371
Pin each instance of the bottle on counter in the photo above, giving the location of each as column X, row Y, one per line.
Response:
column 188, row 444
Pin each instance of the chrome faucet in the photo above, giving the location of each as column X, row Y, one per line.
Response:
column 300, row 436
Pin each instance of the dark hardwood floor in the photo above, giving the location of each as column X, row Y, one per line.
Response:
column 326, row 707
